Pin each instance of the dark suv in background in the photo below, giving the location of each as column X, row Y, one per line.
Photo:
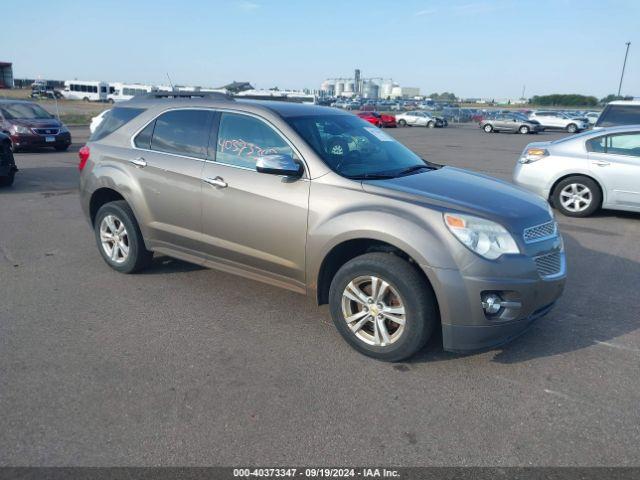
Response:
column 29, row 125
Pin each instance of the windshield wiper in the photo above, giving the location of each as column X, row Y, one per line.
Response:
column 412, row 169
column 371, row 176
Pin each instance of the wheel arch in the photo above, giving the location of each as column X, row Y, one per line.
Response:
column 100, row 197
column 352, row 248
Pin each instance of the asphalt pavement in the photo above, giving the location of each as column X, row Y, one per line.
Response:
column 181, row 365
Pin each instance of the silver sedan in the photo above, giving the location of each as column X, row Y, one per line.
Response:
column 582, row 173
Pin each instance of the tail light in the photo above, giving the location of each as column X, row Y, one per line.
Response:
column 83, row 155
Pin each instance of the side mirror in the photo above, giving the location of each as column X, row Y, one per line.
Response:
column 279, row 165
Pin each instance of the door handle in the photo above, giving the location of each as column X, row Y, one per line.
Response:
column 216, row 182
column 600, row 163
column 139, row 162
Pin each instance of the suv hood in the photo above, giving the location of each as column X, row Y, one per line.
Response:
column 460, row 190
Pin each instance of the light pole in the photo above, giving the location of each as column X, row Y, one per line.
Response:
column 623, row 65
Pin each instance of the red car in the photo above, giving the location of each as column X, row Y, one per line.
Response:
column 378, row 119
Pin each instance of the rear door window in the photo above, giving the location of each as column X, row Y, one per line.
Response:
column 627, row 144
column 113, row 120
column 182, row 132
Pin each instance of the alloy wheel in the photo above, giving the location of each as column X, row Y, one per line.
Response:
column 576, row 197
column 114, row 239
column 373, row 310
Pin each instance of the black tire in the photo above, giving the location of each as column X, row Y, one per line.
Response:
column 402, row 122
column 580, row 180
column 418, row 298
column 524, row 130
column 488, row 128
column 85, row 99
column 431, row 124
column 61, row 148
column 8, row 180
column 138, row 257
column 572, row 128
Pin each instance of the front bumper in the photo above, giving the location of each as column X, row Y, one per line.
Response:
column 37, row 141
column 465, row 325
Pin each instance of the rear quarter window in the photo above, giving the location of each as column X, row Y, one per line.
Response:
column 113, row 120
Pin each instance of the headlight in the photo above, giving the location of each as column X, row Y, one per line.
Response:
column 63, row 129
column 531, row 155
column 21, row 130
column 484, row 237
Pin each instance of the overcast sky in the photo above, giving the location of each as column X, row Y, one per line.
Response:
column 470, row 47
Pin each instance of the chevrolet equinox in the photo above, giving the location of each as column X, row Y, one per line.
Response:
column 319, row 201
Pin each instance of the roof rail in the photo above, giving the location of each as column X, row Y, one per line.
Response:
column 186, row 94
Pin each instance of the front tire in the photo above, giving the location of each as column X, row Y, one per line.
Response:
column 524, row 130
column 572, row 128
column 119, row 238
column 8, row 180
column 382, row 307
column 577, row 196
column 431, row 124
column 402, row 122
column 61, row 148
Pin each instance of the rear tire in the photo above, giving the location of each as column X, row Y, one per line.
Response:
column 8, row 180
column 402, row 122
column 488, row 128
column 116, row 220
column 407, row 296
column 577, row 196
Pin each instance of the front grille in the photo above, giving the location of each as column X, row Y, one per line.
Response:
column 46, row 131
column 550, row 264
column 540, row 232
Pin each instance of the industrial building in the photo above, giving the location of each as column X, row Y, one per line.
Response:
column 6, row 75
column 374, row 87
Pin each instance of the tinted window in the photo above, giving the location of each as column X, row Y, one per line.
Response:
column 619, row 115
column 143, row 139
column 242, row 139
column 113, row 120
column 183, row 132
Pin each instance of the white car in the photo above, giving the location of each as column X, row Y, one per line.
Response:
column 582, row 173
column 550, row 119
column 97, row 120
column 592, row 117
column 421, row 119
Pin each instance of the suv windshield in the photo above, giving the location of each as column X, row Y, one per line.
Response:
column 24, row 111
column 354, row 148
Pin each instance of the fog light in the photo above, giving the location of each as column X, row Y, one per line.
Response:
column 491, row 303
